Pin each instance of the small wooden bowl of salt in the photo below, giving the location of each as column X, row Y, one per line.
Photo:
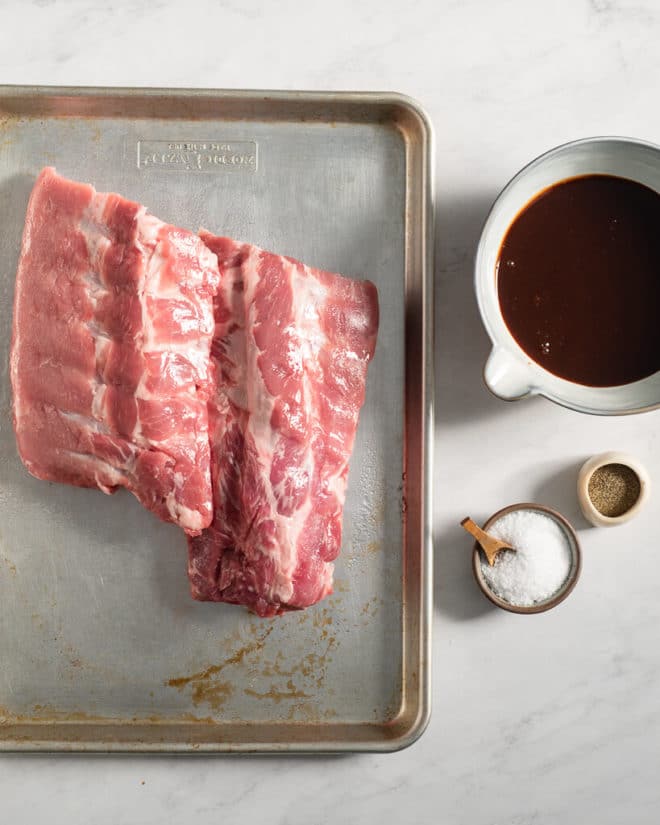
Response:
column 545, row 566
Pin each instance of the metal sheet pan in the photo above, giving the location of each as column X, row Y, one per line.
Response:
column 102, row 648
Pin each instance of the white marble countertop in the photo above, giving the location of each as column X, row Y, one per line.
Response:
column 545, row 719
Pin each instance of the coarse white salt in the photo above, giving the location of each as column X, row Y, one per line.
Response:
column 539, row 567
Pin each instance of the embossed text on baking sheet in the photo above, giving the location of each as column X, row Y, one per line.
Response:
column 197, row 155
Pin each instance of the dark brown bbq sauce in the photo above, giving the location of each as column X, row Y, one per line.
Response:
column 578, row 279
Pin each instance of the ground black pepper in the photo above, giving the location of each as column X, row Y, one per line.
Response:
column 614, row 489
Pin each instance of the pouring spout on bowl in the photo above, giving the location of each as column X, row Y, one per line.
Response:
column 506, row 377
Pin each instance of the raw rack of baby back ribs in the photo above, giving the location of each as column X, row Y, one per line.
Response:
column 110, row 354
column 291, row 350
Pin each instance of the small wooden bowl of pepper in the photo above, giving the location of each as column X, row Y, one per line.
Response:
column 612, row 488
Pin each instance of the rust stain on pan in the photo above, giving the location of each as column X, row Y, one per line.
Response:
column 298, row 683
column 10, row 565
column 371, row 607
column 7, row 126
column 312, row 667
column 68, row 716
column 322, row 621
column 322, row 618
column 341, row 585
column 368, row 612
column 206, row 689
column 307, row 712
column 276, row 695
column 212, row 670
column 213, row 693
column 46, row 714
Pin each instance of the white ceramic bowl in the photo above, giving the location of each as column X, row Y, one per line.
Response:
column 510, row 373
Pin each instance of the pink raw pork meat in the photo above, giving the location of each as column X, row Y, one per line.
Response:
column 291, row 350
column 113, row 320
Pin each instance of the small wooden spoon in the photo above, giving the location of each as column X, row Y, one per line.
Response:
column 489, row 544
